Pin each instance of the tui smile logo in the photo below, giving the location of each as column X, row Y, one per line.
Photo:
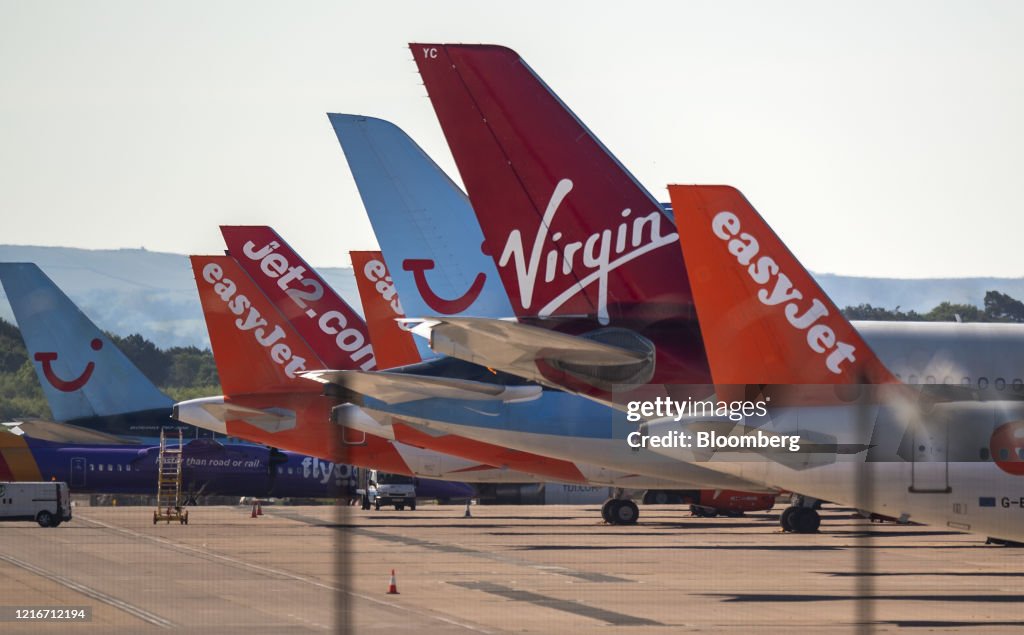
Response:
column 63, row 385
column 419, row 269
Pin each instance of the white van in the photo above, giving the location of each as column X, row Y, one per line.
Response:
column 47, row 503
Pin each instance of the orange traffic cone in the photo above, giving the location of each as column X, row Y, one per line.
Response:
column 392, row 587
column 259, row 508
column 253, row 511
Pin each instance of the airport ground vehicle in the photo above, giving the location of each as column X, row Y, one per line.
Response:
column 392, row 489
column 47, row 503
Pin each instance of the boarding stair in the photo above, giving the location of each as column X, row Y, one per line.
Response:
column 168, row 487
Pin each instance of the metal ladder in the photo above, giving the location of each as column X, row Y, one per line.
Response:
column 168, row 482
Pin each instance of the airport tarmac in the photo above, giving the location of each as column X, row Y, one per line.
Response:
column 506, row 569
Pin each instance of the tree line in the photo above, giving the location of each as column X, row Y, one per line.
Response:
column 998, row 307
column 186, row 372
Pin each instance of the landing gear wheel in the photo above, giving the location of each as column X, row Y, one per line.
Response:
column 800, row 520
column 623, row 512
column 366, row 501
column 807, row 521
column 786, row 520
column 412, row 507
column 399, row 508
column 376, row 505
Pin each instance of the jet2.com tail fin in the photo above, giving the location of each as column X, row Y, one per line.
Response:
column 394, row 345
column 321, row 317
column 426, row 228
column 572, row 231
column 255, row 348
column 83, row 374
column 763, row 317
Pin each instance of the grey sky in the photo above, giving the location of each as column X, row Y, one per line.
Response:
column 878, row 138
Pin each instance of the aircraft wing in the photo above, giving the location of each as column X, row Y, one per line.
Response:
column 270, row 419
column 516, row 348
column 64, row 433
column 401, row 387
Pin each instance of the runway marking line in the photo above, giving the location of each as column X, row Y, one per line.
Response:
column 95, row 594
column 280, row 572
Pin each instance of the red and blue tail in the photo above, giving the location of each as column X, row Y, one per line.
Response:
column 573, row 233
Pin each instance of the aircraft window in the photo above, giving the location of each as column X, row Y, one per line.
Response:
column 92, row 468
column 947, row 380
column 930, row 379
column 966, row 381
column 289, row 470
column 982, row 382
column 1004, row 454
column 1020, row 453
column 1000, row 383
column 984, row 454
column 119, row 468
column 280, row 470
column 127, row 468
column 1018, row 385
column 899, row 376
column 101, row 467
column 110, row 468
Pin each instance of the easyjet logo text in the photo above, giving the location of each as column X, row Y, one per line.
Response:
column 250, row 320
column 778, row 290
column 377, row 273
column 597, row 255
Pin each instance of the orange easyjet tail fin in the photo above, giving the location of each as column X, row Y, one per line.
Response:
column 392, row 345
column 255, row 349
column 763, row 317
